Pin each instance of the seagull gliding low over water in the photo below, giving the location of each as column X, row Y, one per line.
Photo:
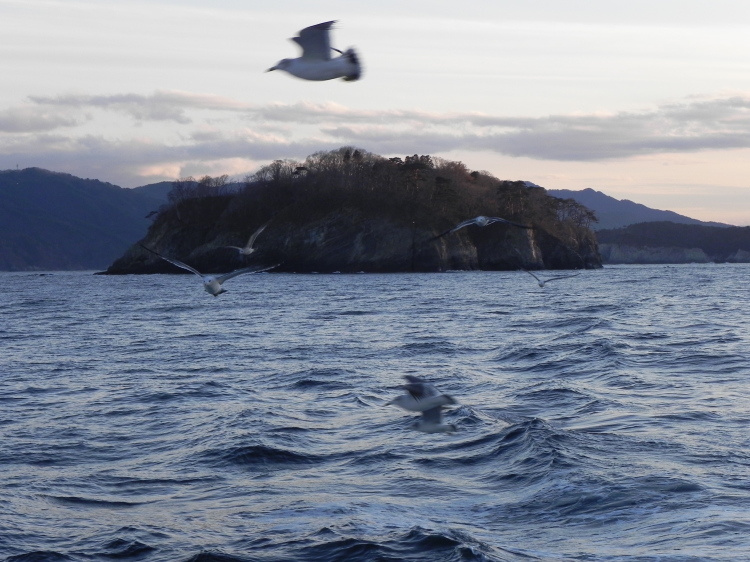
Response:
column 211, row 283
column 423, row 397
column 543, row 282
column 316, row 62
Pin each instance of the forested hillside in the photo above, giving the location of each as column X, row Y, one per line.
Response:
column 706, row 243
column 351, row 210
column 54, row 221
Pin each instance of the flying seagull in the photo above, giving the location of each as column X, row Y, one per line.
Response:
column 481, row 221
column 422, row 396
column 316, row 62
column 211, row 283
column 248, row 249
column 542, row 282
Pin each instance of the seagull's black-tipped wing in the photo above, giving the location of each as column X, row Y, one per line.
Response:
column 419, row 388
column 562, row 277
column 506, row 221
column 542, row 282
column 454, row 229
column 174, row 262
column 534, row 276
column 243, row 271
column 440, row 235
column 315, row 41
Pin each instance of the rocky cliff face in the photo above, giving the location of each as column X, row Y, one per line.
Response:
column 351, row 240
column 740, row 256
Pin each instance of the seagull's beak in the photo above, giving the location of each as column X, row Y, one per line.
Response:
column 270, row 69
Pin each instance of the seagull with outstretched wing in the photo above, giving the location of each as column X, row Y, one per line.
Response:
column 316, row 62
column 422, row 396
column 248, row 248
column 543, row 282
column 481, row 221
column 211, row 283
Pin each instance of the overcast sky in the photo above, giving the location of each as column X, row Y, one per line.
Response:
column 643, row 100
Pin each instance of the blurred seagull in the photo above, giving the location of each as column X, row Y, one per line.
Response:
column 423, row 397
column 542, row 282
column 481, row 221
column 432, row 422
column 211, row 283
column 316, row 62
column 248, row 249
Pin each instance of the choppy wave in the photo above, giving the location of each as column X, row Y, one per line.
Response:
column 602, row 419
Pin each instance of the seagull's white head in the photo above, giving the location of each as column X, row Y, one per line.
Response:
column 212, row 286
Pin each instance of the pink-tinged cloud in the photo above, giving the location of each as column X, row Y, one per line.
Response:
column 61, row 132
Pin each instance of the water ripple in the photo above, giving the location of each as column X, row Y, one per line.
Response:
column 601, row 420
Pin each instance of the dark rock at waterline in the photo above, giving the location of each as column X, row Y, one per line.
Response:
column 350, row 242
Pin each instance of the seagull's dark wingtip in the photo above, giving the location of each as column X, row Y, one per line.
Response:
column 149, row 249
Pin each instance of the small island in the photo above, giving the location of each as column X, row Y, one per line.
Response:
column 349, row 210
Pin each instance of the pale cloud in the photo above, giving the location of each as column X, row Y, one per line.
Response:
column 167, row 170
column 208, row 129
column 132, row 162
column 695, row 125
column 159, row 106
column 687, row 126
column 33, row 120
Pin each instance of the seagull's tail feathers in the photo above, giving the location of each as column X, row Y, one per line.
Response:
column 351, row 56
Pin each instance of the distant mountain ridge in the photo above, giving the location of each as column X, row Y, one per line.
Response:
column 56, row 221
column 616, row 213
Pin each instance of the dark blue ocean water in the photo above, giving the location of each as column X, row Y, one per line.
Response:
column 603, row 417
